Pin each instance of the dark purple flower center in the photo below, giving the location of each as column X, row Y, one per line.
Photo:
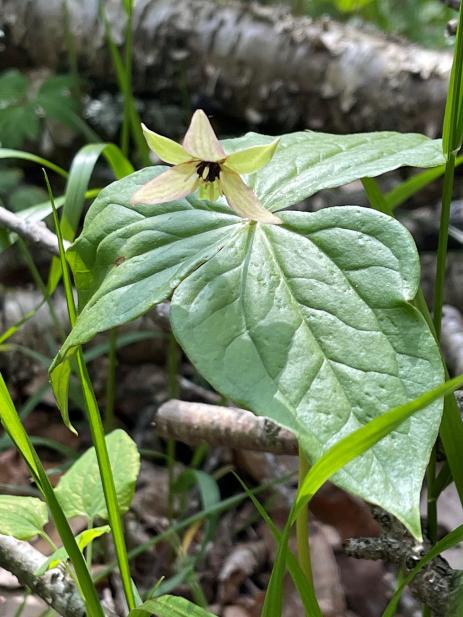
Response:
column 208, row 171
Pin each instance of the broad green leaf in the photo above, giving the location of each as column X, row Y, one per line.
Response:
column 80, row 492
column 8, row 153
column 22, row 517
column 309, row 323
column 169, row 606
column 306, row 162
column 61, row 554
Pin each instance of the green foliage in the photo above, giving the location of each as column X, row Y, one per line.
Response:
column 80, row 491
column 12, row 424
column 22, row 517
column 169, row 606
column 297, row 351
column 61, row 555
column 422, row 21
column 23, row 106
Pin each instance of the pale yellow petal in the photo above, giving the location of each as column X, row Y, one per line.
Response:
column 243, row 200
column 173, row 184
column 250, row 160
column 166, row 149
column 201, row 141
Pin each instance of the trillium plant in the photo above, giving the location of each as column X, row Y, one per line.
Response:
column 312, row 319
column 307, row 318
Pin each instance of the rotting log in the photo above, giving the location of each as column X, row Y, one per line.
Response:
column 259, row 64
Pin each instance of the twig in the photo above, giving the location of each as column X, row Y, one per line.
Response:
column 434, row 585
column 54, row 587
column 225, row 426
column 31, row 231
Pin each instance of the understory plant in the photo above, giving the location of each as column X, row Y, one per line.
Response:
column 315, row 320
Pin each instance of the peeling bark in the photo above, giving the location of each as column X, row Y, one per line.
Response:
column 54, row 587
column 257, row 63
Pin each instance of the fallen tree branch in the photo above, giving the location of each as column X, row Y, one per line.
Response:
column 31, row 231
column 236, row 428
column 435, row 585
column 260, row 64
column 54, row 587
column 222, row 426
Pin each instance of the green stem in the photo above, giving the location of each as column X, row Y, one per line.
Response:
column 111, row 382
column 89, row 549
column 302, row 525
column 172, row 389
column 107, row 480
column 432, row 500
column 128, row 84
column 443, row 243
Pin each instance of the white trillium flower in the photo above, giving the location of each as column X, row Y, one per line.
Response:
column 201, row 163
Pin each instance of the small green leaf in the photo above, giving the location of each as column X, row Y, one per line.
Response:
column 170, row 606
column 80, row 492
column 22, row 517
column 61, row 554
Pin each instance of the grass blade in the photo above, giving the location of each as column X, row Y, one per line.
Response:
column 8, row 153
column 305, row 588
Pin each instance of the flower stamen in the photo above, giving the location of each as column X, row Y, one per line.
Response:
column 208, row 171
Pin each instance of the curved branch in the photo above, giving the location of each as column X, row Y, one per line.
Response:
column 54, row 587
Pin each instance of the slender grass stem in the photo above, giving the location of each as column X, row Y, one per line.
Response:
column 173, row 390
column 111, row 382
column 302, row 525
column 41, row 286
column 126, row 124
column 432, row 500
column 443, row 242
